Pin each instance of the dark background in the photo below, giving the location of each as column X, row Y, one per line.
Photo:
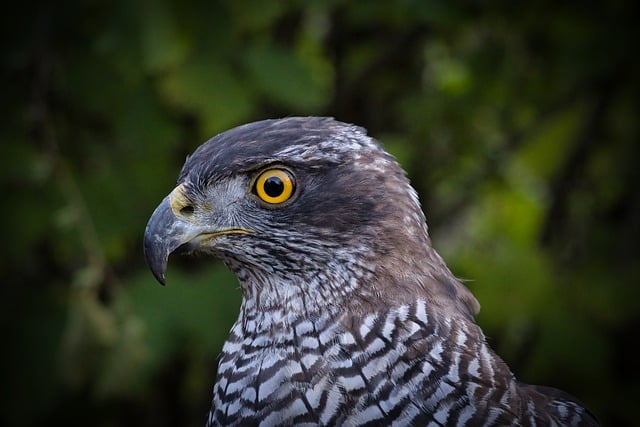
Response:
column 517, row 123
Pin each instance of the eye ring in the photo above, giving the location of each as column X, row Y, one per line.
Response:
column 274, row 186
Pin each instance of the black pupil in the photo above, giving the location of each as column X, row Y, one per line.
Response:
column 273, row 186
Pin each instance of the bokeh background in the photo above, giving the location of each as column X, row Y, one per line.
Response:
column 516, row 121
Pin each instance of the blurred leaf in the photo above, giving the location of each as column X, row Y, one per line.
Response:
column 545, row 151
column 281, row 76
column 163, row 46
column 255, row 15
column 447, row 73
column 210, row 90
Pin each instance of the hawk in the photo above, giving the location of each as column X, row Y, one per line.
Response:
column 348, row 314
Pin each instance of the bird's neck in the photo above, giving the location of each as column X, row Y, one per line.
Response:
column 349, row 282
column 272, row 301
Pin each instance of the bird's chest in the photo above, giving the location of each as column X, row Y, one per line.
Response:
column 277, row 377
column 318, row 372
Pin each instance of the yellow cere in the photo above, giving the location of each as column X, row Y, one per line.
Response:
column 180, row 204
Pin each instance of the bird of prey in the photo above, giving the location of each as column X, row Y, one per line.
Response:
column 348, row 314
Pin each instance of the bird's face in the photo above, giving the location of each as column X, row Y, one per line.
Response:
column 277, row 198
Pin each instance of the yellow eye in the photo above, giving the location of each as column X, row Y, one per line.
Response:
column 275, row 186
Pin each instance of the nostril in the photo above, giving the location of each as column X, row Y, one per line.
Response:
column 187, row 210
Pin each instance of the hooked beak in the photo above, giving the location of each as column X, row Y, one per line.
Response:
column 169, row 229
column 165, row 232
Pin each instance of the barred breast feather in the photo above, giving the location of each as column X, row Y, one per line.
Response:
column 402, row 366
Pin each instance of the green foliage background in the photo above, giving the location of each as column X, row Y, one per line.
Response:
column 517, row 123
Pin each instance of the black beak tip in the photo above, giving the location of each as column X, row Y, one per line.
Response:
column 156, row 259
column 161, row 279
column 157, row 268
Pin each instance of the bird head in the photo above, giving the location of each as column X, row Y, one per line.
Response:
column 297, row 202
